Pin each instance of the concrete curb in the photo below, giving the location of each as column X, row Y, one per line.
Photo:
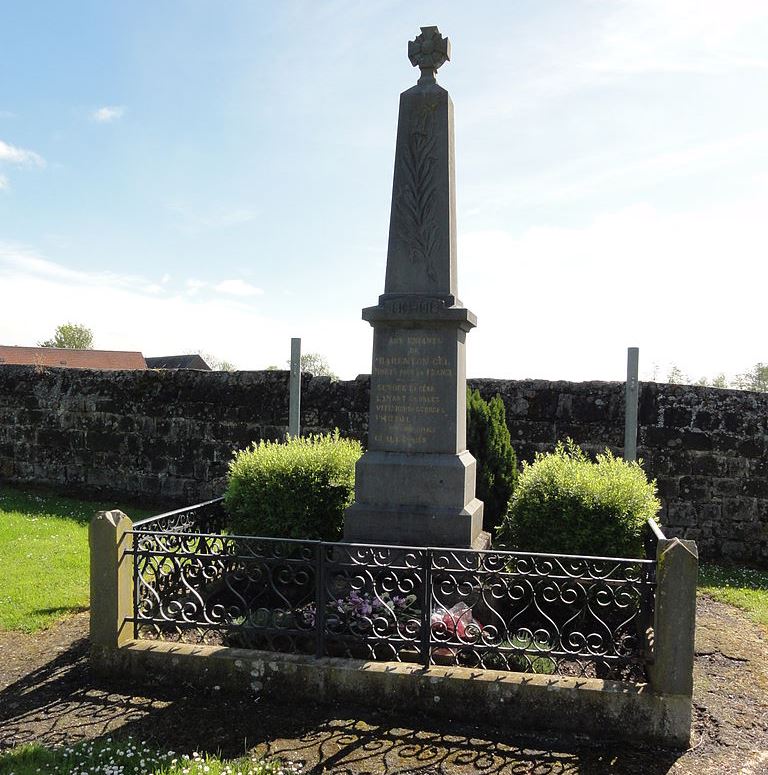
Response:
column 605, row 709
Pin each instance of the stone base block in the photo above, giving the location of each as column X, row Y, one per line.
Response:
column 415, row 525
column 415, row 479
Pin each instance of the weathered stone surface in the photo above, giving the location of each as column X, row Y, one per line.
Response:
column 421, row 258
column 111, row 577
column 416, row 483
column 671, row 672
column 519, row 701
column 245, row 406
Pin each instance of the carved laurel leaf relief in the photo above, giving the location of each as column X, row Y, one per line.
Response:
column 416, row 196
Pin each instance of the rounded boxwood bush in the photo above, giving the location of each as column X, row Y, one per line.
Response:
column 293, row 489
column 565, row 503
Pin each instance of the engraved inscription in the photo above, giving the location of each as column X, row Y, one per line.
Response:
column 410, row 306
column 411, row 390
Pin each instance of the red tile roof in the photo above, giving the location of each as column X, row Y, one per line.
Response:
column 71, row 359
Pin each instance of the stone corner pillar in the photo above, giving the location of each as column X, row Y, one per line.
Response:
column 671, row 672
column 111, row 579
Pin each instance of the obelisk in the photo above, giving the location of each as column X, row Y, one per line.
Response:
column 415, row 485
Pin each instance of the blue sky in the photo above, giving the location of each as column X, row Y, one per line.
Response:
column 217, row 176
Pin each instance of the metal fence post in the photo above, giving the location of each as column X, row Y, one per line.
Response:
column 426, row 609
column 136, row 545
column 320, row 603
column 294, row 398
column 630, row 404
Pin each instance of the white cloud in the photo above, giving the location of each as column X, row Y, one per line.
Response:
column 20, row 260
column 215, row 217
column 108, row 113
column 620, row 172
column 13, row 155
column 226, row 218
column 125, row 314
column 565, row 303
column 695, row 36
column 38, row 294
column 237, row 288
column 194, row 286
column 552, row 302
column 622, row 42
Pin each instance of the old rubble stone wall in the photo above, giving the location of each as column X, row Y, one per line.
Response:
column 706, row 447
column 162, row 436
column 167, row 436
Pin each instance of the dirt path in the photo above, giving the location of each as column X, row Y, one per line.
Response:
column 48, row 695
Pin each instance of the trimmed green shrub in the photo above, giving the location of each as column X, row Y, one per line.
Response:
column 295, row 489
column 489, row 442
column 565, row 503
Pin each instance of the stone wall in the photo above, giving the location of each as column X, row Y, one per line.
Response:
column 167, row 436
column 163, row 436
column 706, row 447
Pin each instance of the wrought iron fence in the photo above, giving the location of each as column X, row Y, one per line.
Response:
column 206, row 517
column 540, row 613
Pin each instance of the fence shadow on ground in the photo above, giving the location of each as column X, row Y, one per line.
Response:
column 63, row 702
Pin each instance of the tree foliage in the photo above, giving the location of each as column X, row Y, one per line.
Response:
column 754, row 379
column 718, row 381
column 216, row 363
column 489, row 442
column 70, row 336
column 317, row 365
column 677, row 376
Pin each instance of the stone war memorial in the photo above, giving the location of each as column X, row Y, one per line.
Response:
column 412, row 609
column 416, row 483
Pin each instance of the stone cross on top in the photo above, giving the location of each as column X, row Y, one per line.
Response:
column 429, row 51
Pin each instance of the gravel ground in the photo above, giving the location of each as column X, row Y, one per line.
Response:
column 48, row 695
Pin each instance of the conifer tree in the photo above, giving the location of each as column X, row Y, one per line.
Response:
column 489, row 442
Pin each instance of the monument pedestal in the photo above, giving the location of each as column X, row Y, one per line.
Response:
column 435, row 501
column 416, row 483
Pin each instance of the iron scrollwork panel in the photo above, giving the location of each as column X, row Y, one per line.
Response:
column 552, row 614
column 579, row 616
column 372, row 602
column 244, row 592
column 201, row 518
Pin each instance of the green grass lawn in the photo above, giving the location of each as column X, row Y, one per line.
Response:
column 128, row 757
column 744, row 588
column 44, row 556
